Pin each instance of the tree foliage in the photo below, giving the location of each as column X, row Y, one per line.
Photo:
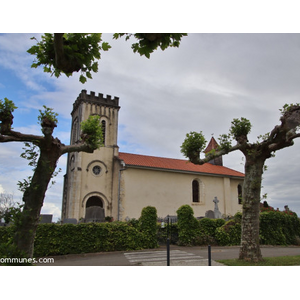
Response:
column 66, row 53
column 92, row 132
column 240, row 128
column 149, row 42
column 193, row 144
column 69, row 52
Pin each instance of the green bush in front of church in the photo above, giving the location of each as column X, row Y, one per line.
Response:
column 188, row 226
column 54, row 239
column 148, row 226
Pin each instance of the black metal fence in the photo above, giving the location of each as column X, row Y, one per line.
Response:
column 168, row 230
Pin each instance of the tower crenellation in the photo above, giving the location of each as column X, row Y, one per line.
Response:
column 99, row 99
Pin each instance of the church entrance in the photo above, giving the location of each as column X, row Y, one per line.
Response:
column 94, row 211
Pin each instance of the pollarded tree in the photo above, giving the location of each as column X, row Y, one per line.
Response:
column 44, row 163
column 256, row 154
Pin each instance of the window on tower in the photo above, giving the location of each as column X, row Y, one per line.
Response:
column 75, row 131
column 103, row 125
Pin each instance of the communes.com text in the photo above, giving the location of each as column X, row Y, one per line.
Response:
column 23, row 260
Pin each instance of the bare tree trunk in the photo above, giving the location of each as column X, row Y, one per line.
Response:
column 250, row 249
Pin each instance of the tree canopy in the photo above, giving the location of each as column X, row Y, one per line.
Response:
column 66, row 53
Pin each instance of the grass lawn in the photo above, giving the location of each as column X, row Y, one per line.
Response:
column 267, row 261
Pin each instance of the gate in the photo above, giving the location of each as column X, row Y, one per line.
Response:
column 168, row 230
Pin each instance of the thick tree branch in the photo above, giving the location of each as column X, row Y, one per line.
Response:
column 76, row 148
column 209, row 157
column 282, row 135
column 295, row 136
column 14, row 136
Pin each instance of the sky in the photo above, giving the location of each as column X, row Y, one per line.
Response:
column 200, row 86
column 203, row 85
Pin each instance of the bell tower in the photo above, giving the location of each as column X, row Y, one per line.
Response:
column 213, row 145
column 88, row 184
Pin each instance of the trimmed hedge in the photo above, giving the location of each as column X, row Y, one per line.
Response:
column 229, row 234
column 279, row 228
column 208, row 231
column 276, row 228
column 148, row 225
column 52, row 239
column 188, row 226
column 55, row 239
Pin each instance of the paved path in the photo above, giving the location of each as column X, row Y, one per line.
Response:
column 181, row 256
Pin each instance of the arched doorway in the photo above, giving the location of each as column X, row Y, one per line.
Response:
column 94, row 211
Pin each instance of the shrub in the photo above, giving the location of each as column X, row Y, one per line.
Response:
column 230, row 233
column 208, row 231
column 55, row 239
column 209, row 226
column 188, row 226
column 52, row 239
column 148, row 225
column 279, row 228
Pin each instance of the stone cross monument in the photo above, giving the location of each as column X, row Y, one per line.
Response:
column 218, row 214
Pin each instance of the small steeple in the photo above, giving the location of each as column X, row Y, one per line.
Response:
column 214, row 145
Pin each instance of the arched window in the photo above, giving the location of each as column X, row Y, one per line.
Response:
column 240, row 194
column 75, row 131
column 196, row 191
column 103, row 125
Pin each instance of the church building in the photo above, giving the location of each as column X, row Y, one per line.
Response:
column 109, row 183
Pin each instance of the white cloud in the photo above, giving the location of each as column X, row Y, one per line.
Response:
column 202, row 85
column 52, row 209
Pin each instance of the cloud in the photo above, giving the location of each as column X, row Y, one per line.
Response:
column 200, row 86
column 52, row 209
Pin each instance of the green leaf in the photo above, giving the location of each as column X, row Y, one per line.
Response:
column 105, row 46
column 88, row 75
column 95, row 67
column 82, row 79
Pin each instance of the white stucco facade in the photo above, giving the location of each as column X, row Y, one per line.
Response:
column 120, row 185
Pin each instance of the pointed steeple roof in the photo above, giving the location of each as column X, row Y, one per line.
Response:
column 214, row 145
column 211, row 145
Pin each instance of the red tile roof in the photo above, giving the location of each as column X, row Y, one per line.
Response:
column 175, row 164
